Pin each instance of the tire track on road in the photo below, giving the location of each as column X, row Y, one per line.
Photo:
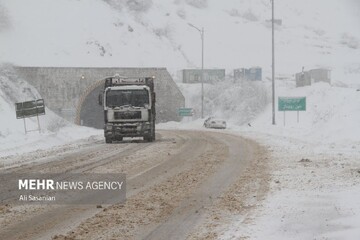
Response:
column 171, row 185
column 191, row 210
column 165, row 210
column 36, row 225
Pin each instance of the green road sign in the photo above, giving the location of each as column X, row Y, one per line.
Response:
column 292, row 103
column 30, row 108
column 186, row 112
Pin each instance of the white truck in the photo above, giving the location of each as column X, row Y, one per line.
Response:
column 129, row 108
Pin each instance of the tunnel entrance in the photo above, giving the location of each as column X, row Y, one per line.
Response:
column 72, row 92
column 91, row 114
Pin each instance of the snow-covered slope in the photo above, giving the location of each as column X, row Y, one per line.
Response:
column 331, row 119
column 322, row 33
column 239, row 103
column 54, row 130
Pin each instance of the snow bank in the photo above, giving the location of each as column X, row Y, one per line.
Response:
column 54, row 130
column 332, row 117
column 314, row 166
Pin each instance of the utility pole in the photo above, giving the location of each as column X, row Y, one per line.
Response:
column 273, row 65
column 201, row 31
column 202, row 72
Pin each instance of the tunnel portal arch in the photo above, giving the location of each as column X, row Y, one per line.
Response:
column 89, row 113
column 72, row 92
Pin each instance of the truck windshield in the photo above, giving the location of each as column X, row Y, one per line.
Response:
column 134, row 98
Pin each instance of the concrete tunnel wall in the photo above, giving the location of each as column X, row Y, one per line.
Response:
column 91, row 113
column 73, row 92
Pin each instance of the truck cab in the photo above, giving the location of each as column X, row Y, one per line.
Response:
column 129, row 108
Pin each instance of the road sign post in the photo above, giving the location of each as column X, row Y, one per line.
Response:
column 30, row 109
column 292, row 104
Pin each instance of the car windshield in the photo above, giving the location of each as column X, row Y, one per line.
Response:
column 134, row 98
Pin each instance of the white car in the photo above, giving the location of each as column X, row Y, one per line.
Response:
column 215, row 123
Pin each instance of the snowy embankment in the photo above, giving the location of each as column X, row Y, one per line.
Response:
column 314, row 165
column 54, row 130
column 315, row 168
column 331, row 119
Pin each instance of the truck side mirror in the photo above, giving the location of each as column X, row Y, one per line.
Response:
column 100, row 99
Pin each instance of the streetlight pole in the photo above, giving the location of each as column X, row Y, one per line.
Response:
column 201, row 31
column 273, row 66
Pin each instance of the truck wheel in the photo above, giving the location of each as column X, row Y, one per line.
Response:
column 108, row 140
column 148, row 138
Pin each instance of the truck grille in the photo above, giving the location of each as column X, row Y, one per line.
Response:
column 127, row 115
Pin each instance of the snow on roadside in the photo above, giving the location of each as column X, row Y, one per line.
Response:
column 331, row 118
column 313, row 195
column 54, row 130
column 314, row 166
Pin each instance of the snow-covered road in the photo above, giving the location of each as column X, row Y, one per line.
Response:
column 173, row 182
